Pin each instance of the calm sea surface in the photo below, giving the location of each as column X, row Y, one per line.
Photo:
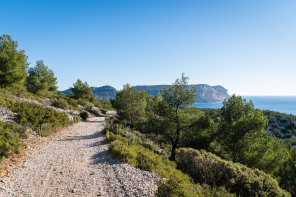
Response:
column 283, row 104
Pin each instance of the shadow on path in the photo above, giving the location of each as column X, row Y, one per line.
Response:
column 104, row 157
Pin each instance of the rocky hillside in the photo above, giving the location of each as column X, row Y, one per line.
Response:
column 104, row 92
column 204, row 93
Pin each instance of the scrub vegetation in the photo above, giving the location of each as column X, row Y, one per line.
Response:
column 228, row 151
column 29, row 100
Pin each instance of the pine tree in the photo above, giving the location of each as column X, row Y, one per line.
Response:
column 239, row 126
column 130, row 105
column 82, row 90
column 41, row 80
column 172, row 111
column 13, row 63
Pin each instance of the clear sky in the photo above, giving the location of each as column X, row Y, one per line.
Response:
column 247, row 46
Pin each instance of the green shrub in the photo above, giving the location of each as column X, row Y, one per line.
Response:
column 33, row 115
column 46, row 129
column 103, row 104
column 205, row 167
column 84, row 102
column 103, row 111
column 111, row 122
column 84, row 115
column 175, row 183
column 16, row 128
column 76, row 119
column 60, row 103
column 92, row 110
column 71, row 102
column 9, row 141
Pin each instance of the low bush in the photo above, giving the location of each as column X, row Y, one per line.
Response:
column 93, row 110
column 84, row 102
column 174, row 182
column 83, row 115
column 45, row 129
column 60, row 103
column 134, row 137
column 34, row 116
column 19, row 92
column 76, row 119
column 103, row 111
column 103, row 104
column 16, row 128
column 9, row 140
column 205, row 167
column 71, row 102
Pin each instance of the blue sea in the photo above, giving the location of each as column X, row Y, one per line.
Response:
column 283, row 104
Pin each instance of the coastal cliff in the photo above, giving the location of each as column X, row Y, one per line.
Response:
column 204, row 93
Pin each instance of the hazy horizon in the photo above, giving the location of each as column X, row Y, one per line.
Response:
column 248, row 47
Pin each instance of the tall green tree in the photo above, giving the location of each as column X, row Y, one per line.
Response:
column 41, row 80
column 267, row 153
column 239, row 126
column 13, row 63
column 287, row 172
column 172, row 111
column 129, row 104
column 82, row 90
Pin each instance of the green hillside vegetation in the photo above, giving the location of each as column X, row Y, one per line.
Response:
column 230, row 152
column 280, row 125
column 205, row 167
column 138, row 150
column 233, row 139
column 23, row 90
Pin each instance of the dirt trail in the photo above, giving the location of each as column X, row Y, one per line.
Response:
column 76, row 162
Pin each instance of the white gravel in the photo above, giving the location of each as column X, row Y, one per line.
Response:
column 76, row 162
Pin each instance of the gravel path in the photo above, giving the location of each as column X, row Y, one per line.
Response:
column 76, row 162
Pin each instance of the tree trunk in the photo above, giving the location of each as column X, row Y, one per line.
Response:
column 176, row 141
column 175, row 144
column 173, row 153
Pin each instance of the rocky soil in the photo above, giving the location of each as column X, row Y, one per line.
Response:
column 76, row 162
column 6, row 115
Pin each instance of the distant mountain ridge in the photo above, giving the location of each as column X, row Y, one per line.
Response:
column 204, row 93
column 104, row 92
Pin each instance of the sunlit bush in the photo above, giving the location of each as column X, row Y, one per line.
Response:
column 9, row 140
column 205, row 167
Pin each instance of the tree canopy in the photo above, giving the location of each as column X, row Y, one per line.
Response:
column 172, row 111
column 13, row 63
column 41, row 80
column 82, row 90
column 130, row 105
column 240, row 124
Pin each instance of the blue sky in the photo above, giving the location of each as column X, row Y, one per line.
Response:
column 247, row 46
